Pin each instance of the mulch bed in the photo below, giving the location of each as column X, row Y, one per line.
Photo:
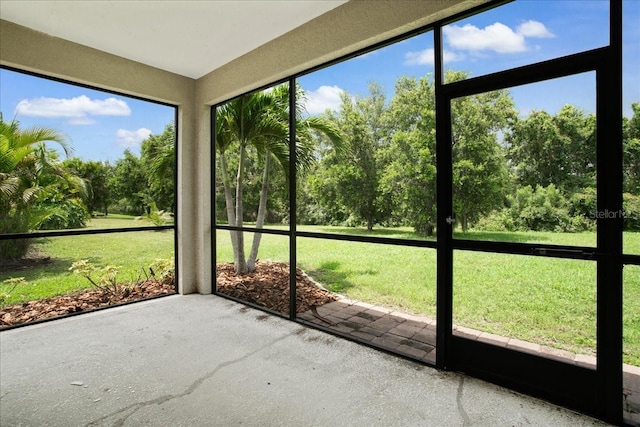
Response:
column 268, row 286
column 81, row 301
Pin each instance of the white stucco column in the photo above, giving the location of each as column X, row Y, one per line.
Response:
column 201, row 180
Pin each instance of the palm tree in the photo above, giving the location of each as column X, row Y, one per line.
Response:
column 261, row 120
column 245, row 121
column 27, row 170
column 158, row 154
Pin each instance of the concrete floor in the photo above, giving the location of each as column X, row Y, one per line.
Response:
column 204, row 361
column 415, row 337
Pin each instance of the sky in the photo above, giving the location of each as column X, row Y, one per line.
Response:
column 99, row 125
column 102, row 125
column 516, row 34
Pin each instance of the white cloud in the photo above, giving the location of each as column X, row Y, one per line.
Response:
column 422, row 57
column 534, row 29
column 131, row 138
column 81, row 121
column 323, row 98
column 427, row 57
column 76, row 109
column 496, row 37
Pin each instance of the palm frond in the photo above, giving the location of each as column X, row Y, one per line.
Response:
column 8, row 185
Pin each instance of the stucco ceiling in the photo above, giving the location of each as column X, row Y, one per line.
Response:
column 190, row 38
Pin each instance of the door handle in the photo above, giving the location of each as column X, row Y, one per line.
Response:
column 552, row 251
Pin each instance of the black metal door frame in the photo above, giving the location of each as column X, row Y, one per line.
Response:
column 599, row 391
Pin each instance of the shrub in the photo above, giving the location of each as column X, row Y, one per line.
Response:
column 70, row 213
column 582, row 207
column 13, row 221
column 106, row 281
column 542, row 209
column 156, row 216
column 631, row 208
column 496, row 221
column 163, row 269
column 583, row 203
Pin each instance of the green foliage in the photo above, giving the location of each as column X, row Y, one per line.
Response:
column 96, row 175
column 158, row 157
column 105, row 278
column 350, row 175
column 631, row 209
column 498, row 220
column 30, row 176
column 133, row 183
column 13, row 249
column 583, row 203
column 410, row 178
column 542, row 209
column 631, row 151
column 558, row 150
column 385, row 171
column 410, row 173
column 63, row 214
column 157, row 216
column 582, row 207
column 252, row 128
column 252, row 137
column 128, row 185
column 163, row 269
column 315, row 199
column 480, row 178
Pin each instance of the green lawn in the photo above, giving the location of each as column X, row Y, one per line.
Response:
column 543, row 300
column 129, row 251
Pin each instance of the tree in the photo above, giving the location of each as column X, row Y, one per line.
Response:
column 539, row 209
column 62, row 198
column 96, row 174
column 241, row 123
column 128, row 184
column 274, row 147
column 353, row 173
column 410, row 174
column 479, row 167
column 631, row 151
column 255, row 127
column 158, row 157
column 560, row 150
column 28, row 172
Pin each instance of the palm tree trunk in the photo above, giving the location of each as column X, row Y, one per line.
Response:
column 262, row 212
column 228, row 199
column 238, row 254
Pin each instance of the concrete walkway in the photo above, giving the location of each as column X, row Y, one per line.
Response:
column 204, row 361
